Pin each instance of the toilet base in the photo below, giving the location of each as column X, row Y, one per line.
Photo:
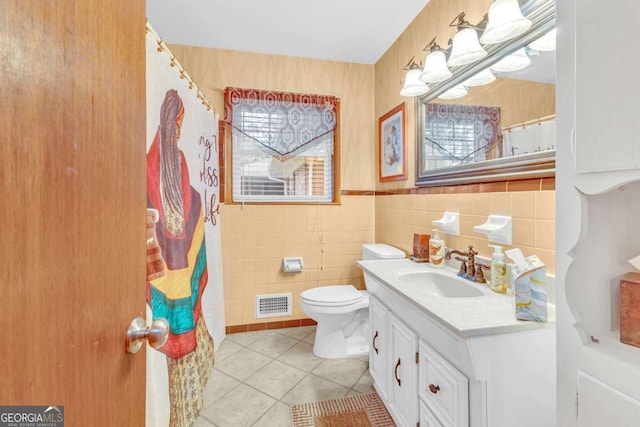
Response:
column 357, row 346
column 333, row 345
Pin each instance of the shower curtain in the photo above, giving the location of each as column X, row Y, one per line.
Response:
column 532, row 138
column 183, row 186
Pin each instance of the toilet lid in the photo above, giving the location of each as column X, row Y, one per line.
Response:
column 332, row 295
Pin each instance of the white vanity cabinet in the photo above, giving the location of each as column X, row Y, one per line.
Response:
column 456, row 362
column 378, row 360
column 427, row 419
column 403, row 384
column 413, row 380
column 392, row 363
column 443, row 389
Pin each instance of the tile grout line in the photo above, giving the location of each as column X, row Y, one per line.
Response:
column 279, row 400
column 261, row 335
column 243, row 346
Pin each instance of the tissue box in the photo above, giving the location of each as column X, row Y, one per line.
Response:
column 530, row 289
column 630, row 309
column 421, row 247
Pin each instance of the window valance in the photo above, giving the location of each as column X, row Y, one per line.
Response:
column 280, row 123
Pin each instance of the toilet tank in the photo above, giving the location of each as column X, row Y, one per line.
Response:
column 381, row 251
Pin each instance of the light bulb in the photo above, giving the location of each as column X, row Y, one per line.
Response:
column 412, row 84
column 435, row 68
column 482, row 78
column 505, row 22
column 455, row 92
column 546, row 43
column 518, row 60
column 466, row 48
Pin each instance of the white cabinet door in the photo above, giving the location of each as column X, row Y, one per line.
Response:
column 601, row 405
column 427, row 419
column 403, row 373
column 607, row 92
column 378, row 364
column 443, row 388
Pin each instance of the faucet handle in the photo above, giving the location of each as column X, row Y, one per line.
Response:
column 463, row 265
column 479, row 277
column 471, row 251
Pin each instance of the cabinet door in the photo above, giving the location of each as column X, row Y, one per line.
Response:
column 600, row 405
column 607, row 125
column 403, row 373
column 378, row 365
column 427, row 419
column 443, row 388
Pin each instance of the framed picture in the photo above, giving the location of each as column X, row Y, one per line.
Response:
column 392, row 145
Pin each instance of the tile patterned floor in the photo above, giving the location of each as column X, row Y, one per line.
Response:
column 257, row 375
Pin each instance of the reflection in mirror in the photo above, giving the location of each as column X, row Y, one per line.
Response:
column 494, row 120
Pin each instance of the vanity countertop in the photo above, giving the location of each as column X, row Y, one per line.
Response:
column 488, row 314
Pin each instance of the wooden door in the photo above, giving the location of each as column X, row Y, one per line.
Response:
column 72, row 182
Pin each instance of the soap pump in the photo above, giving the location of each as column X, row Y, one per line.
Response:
column 498, row 270
column 436, row 250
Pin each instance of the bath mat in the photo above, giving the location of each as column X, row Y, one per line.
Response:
column 365, row 410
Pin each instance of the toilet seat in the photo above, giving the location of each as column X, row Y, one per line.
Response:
column 332, row 296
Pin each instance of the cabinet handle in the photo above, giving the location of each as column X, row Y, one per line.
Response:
column 395, row 373
column 375, row 337
column 434, row 388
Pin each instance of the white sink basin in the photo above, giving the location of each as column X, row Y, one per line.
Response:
column 439, row 285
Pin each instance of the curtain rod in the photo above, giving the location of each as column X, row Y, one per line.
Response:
column 530, row 122
column 183, row 74
column 338, row 97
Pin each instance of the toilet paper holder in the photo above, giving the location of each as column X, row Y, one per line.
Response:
column 292, row 264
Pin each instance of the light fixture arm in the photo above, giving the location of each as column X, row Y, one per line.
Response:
column 433, row 46
column 411, row 65
column 460, row 22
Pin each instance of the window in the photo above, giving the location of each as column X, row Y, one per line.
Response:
column 283, row 146
column 460, row 134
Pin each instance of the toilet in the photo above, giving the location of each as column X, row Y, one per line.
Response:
column 342, row 311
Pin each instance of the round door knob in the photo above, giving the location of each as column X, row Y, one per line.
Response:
column 156, row 334
column 434, row 388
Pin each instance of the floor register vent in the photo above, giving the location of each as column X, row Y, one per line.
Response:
column 271, row 305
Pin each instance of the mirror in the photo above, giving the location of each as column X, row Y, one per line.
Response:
column 498, row 131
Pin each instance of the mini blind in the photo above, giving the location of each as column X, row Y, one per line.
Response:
column 459, row 134
column 282, row 146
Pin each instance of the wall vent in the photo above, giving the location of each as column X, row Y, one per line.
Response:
column 272, row 305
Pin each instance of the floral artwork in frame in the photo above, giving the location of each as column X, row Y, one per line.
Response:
column 392, row 145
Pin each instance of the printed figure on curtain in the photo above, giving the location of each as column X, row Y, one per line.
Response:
column 180, row 232
column 176, row 296
column 184, row 261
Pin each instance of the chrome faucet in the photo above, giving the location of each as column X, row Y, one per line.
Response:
column 469, row 269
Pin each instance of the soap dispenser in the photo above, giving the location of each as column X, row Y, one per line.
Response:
column 436, row 250
column 498, row 270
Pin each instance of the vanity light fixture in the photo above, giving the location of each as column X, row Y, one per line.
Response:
column 465, row 46
column 546, row 43
column 455, row 92
column 518, row 60
column 413, row 86
column 505, row 22
column 435, row 64
column 480, row 79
